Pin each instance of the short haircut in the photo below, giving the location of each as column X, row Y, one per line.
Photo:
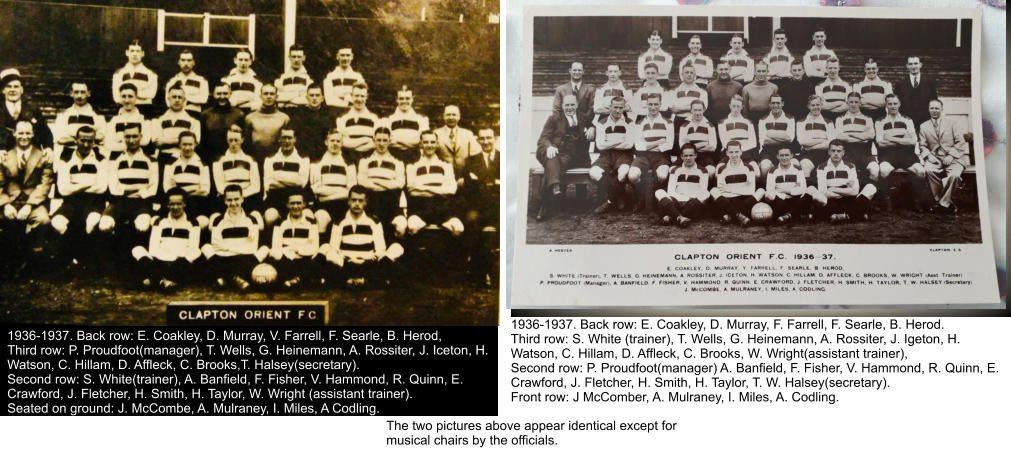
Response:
column 853, row 94
column 891, row 96
column 487, row 128
column 267, row 85
column 779, row 31
column 620, row 99
column 187, row 134
column 688, row 146
column 796, row 62
column 734, row 143
column 244, row 50
column 235, row 128
column 333, row 131
column 427, row 132
column 937, row 101
column 651, row 65
column 233, row 188
column 736, row 36
column 737, row 97
column 134, row 42
column 179, row 191
column 293, row 193
column 688, row 66
column 296, row 47
column 776, row 95
column 313, row 86
column 818, row 29
column 85, row 129
column 128, row 86
column 836, row 142
column 723, row 62
column 914, row 57
column 654, row 33
column 187, row 51
column 832, row 59
column 697, row 101
column 870, row 61
column 358, row 189
column 382, row 130
column 696, row 36
column 813, row 97
column 761, row 63
column 782, row 146
column 360, row 86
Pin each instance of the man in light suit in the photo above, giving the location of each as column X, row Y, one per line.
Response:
column 457, row 143
column 945, row 155
column 583, row 92
column 26, row 177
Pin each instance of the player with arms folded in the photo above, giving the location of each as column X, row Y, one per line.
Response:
column 813, row 134
column 700, row 133
column 856, row 131
column 774, row 130
column 357, row 246
column 615, row 141
column 896, row 141
column 786, row 188
column 687, row 191
column 735, row 192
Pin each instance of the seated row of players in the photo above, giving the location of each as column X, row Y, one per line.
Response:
column 357, row 247
column 643, row 150
column 836, row 196
column 116, row 193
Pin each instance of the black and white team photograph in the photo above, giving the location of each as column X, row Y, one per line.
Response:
column 751, row 129
column 340, row 151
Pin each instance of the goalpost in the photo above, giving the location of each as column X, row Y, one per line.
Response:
column 205, row 25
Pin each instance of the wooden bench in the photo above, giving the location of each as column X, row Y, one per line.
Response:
column 580, row 177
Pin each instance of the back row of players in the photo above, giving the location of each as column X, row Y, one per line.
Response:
column 652, row 123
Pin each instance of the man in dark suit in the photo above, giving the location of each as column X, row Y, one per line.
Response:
column 562, row 145
column 26, row 177
column 915, row 93
column 15, row 109
column 479, row 187
column 581, row 90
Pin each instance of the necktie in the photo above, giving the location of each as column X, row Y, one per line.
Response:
column 916, row 81
column 575, row 88
column 17, row 111
column 24, row 159
column 572, row 121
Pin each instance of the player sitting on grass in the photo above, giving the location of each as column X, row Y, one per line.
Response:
column 687, row 191
column 173, row 247
column 785, row 187
column 234, row 248
column 357, row 247
column 735, row 191
column 838, row 196
column 295, row 244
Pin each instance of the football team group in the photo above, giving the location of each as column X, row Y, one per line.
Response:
column 242, row 181
column 777, row 138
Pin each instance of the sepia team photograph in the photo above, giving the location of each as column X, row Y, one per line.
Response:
column 336, row 151
column 693, row 128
